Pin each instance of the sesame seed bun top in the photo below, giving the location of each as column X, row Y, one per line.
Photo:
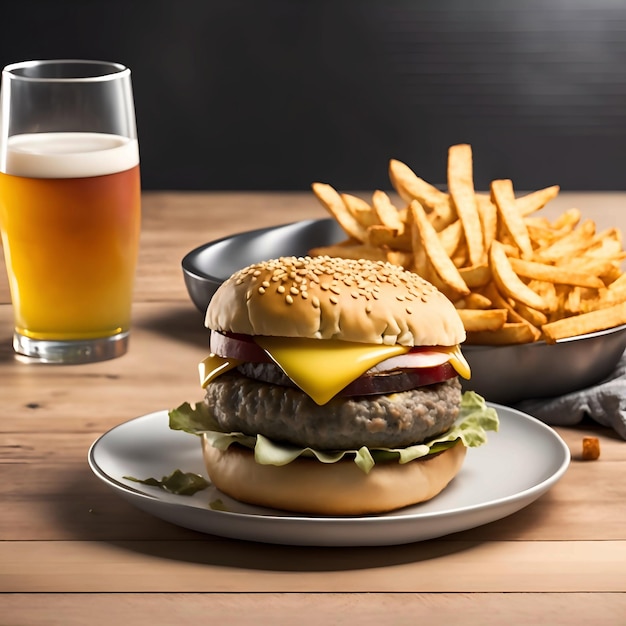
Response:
column 332, row 298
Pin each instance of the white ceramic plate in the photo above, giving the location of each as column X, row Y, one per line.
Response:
column 518, row 464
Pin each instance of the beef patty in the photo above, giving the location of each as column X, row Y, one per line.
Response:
column 282, row 413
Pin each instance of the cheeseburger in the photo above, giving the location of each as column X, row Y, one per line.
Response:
column 332, row 387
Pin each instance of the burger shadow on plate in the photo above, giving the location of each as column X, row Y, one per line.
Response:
column 271, row 557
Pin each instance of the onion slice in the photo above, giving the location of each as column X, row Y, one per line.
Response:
column 411, row 360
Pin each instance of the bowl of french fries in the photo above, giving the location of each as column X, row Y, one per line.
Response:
column 543, row 301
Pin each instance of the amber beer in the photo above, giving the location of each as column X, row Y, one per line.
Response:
column 70, row 218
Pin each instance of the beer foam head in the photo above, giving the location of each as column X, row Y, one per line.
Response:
column 68, row 155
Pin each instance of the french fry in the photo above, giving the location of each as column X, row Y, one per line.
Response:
column 548, row 292
column 476, row 320
column 474, row 300
column 511, row 306
column 476, row 276
column 504, row 199
column 411, row 187
column 585, row 323
column 567, row 221
column 618, row 283
column 536, row 200
column 459, row 258
column 426, row 237
column 351, row 251
column 605, row 298
column 541, row 235
column 593, row 267
column 442, row 214
column 539, row 221
column 334, row 204
column 386, row 213
column 554, row 274
column 383, row 236
column 451, row 236
column 573, row 300
column 488, row 213
column 360, row 209
column 510, row 333
column 461, row 186
column 575, row 242
column 401, row 258
column 509, row 283
column 532, row 316
column 606, row 246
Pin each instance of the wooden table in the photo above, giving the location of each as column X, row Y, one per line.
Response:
column 73, row 552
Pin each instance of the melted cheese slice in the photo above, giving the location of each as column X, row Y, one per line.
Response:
column 323, row 368
column 458, row 361
column 213, row 366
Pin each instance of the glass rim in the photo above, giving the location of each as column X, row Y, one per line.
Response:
column 117, row 70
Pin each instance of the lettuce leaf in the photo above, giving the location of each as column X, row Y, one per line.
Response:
column 178, row 482
column 475, row 419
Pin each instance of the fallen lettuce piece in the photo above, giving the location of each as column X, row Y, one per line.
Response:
column 475, row 418
column 217, row 505
column 178, row 482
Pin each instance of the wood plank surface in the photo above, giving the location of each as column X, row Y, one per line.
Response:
column 337, row 609
column 234, row 566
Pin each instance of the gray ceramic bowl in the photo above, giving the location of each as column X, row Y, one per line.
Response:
column 510, row 374
column 502, row 374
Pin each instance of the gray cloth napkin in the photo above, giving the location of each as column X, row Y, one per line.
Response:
column 605, row 403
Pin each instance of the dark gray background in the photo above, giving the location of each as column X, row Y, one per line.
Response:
column 245, row 94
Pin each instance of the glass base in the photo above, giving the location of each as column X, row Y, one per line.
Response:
column 70, row 352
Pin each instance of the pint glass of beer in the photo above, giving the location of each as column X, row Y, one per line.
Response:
column 69, row 207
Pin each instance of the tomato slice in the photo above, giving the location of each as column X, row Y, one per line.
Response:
column 237, row 346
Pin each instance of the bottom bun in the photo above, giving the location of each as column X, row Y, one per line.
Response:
column 308, row 486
